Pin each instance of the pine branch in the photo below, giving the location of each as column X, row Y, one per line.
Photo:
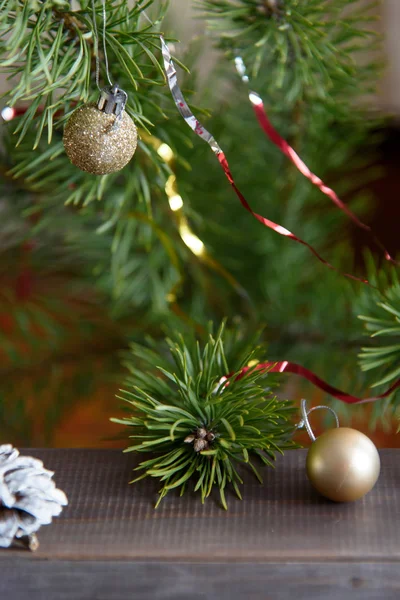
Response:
column 198, row 427
column 126, row 248
column 308, row 49
column 380, row 314
column 50, row 53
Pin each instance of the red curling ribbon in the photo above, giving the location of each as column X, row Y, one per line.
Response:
column 278, row 228
column 284, row 146
column 290, row 367
column 201, row 131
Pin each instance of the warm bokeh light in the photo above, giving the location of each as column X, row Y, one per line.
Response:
column 175, row 202
column 8, row 113
column 165, row 152
column 191, row 240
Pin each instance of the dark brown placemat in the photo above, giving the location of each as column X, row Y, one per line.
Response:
column 282, row 520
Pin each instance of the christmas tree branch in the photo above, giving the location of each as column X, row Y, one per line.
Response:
column 50, row 53
column 309, row 49
column 197, row 426
column 380, row 314
column 118, row 239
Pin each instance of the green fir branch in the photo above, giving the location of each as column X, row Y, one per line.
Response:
column 114, row 240
column 309, row 50
column 380, row 315
column 48, row 49
column 197, row 425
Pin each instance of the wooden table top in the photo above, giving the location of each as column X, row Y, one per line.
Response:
column 283, row 522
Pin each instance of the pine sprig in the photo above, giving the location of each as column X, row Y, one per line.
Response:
column 309, row 50
column 198, row 425
column 380, row 313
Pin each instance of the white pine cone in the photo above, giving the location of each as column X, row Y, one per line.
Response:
column 28, row 496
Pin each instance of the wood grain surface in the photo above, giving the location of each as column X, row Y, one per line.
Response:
column 282, row 541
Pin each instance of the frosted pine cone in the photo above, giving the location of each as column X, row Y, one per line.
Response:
column 28, row 497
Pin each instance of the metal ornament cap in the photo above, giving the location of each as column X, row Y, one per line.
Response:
column 97, row 142
column 343, row 464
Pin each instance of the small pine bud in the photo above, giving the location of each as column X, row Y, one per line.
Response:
column 200, row 445
column 210, row 436
column 269, row 7
column 189, row 439
column 202, row 433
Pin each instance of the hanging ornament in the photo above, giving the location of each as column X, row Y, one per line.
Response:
column 28, row 498
column 342, row 464
column 101, row 138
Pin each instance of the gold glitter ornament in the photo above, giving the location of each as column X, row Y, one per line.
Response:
column 101, row 138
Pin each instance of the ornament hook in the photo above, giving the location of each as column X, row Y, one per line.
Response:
column 112, row 100
column 305, row 421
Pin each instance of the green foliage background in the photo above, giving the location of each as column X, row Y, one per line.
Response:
column 90, row 264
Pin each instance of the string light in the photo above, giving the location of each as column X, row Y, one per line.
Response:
column 170, row 185
column 8, row 113
column 165, row 152
column 175, row 202
column 191, row 240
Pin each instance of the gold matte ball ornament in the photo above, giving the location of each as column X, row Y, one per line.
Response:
column 101, row 138
column 343, row 464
